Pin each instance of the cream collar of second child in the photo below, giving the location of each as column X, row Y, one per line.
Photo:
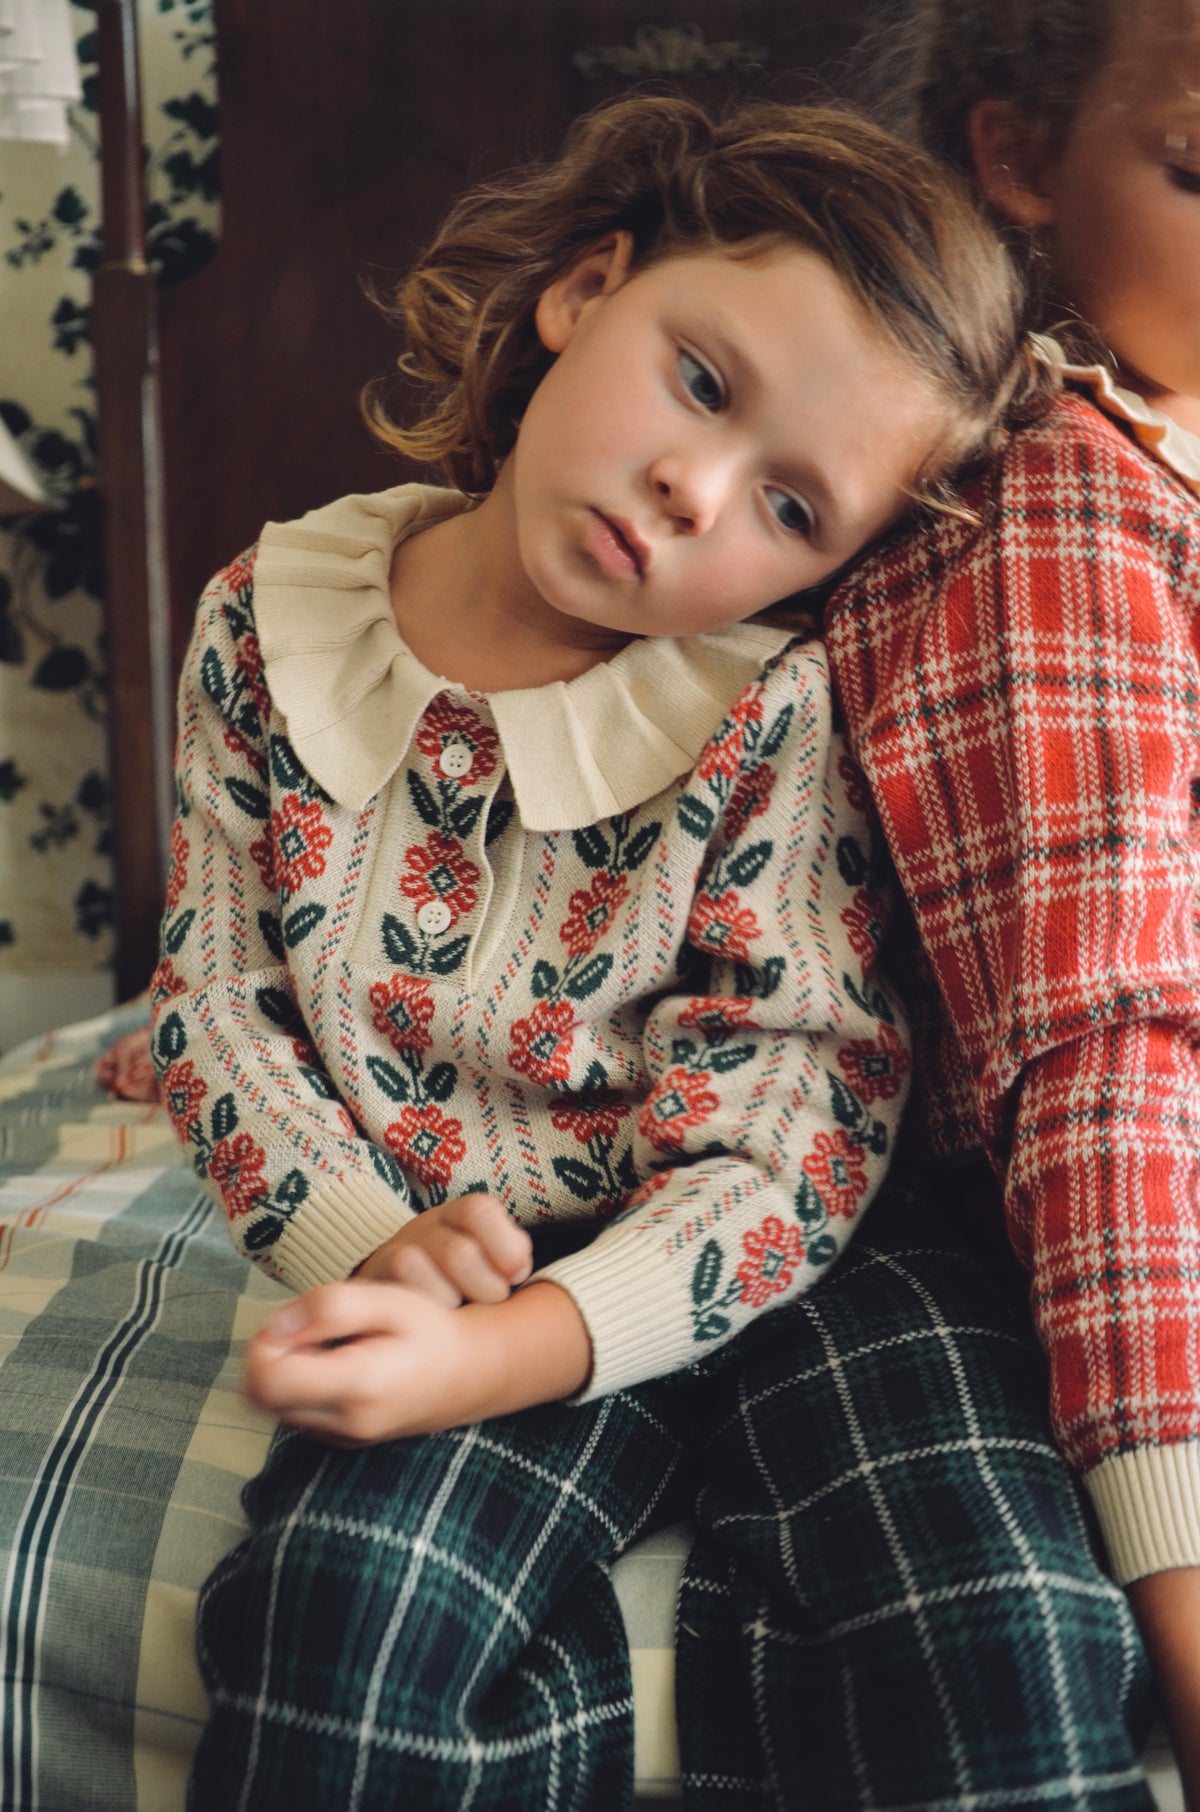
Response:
column 353, row 693
column 1176, row 446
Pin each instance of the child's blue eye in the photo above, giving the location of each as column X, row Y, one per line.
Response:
column 790, row 513
column 699, row 382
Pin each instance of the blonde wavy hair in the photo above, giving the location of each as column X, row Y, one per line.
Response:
column 897, row 228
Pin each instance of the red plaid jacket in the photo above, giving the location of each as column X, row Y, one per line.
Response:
column 1024, row 699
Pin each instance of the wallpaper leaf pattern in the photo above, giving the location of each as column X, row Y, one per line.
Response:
column 56, row 885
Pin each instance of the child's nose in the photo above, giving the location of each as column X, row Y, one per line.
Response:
column 689, row 491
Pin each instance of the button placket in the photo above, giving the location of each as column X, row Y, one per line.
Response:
column 448, row 878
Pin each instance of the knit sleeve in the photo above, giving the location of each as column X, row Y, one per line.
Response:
column 778, row 1075
column 1027, row 709
column 305, row 1194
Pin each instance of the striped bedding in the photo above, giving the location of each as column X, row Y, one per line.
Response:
column 124, row 1443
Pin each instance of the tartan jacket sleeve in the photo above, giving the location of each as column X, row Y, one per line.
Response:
column 1025, row 701
column 242, row 1082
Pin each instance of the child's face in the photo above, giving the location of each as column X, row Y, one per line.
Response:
column 1125, row 232
column 714, row 435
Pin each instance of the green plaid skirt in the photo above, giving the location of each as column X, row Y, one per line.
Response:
column 893, row 1601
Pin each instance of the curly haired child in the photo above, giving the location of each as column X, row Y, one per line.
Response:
column 518, row 997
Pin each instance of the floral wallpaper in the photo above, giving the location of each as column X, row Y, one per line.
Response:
column 56, row 882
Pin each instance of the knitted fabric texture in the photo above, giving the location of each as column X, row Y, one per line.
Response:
column 1025, row 701
column 663, row 1027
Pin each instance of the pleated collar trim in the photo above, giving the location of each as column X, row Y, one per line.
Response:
column 1176, row 446
column 352, row 692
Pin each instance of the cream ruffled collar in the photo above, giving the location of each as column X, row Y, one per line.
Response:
column 1176, row 446
column 352, row 693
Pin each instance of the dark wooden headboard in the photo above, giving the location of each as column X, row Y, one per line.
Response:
column 346, row 126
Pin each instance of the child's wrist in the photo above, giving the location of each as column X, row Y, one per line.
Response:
column 533, row 1348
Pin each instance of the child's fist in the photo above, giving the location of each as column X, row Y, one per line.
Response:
column 467, row 1250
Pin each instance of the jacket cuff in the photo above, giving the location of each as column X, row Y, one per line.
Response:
column 1148, row 1503
column 629, row 1298
column 343, row 1222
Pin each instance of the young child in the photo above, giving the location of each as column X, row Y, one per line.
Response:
column 521, row 926
column 1024, row 697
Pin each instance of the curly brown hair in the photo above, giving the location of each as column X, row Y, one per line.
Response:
column 898, row 230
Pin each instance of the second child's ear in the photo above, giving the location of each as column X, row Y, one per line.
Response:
column 595, row 274
column 1012, row 165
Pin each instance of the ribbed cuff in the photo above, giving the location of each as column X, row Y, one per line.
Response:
column 1148, row 1503
column 629, row 1297
column 342, row 1222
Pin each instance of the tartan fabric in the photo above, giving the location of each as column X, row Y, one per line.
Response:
column 126, row 1443
column 101, row 1713
column 1024, row 699
column 894, row 1580
column 121, row 1309
column 893, row 1597
column 430, row 1623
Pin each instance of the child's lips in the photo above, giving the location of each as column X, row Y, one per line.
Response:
column 617, row 547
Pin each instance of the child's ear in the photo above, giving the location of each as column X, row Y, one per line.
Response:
column 594, row 274
column 1012, row 165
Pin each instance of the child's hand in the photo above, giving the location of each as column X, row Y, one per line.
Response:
column 358, row 1362
column 467, row 1250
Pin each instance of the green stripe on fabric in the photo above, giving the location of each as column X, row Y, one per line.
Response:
column 102, row 1393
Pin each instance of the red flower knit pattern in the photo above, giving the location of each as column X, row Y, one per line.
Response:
column 541, row 1044
column 716, row 1015
column 681, row 1100
column 723, row 925
column 773, row 1252
column 239, row 574
column 838, row 1169
column 875, row 1068
column 587, row 1118
column 428, row 1142
column 236, row 1167
column 750, row 797
column 250, row 666
column 724, row 753
column 183, row 1091
column 438, row 870
column 863, row 920
column 177, row 879
column 592, row 909
column 402, row 1008
column 293, row 850
column 444, row 723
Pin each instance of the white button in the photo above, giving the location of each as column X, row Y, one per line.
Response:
column 433, row 917
column 455, row 760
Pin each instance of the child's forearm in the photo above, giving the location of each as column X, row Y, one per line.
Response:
column 366, row 1361
column 1167, row 1606
column 539, row 1348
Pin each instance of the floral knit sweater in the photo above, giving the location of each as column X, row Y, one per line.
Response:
column 1024, row 698
column 605, row 948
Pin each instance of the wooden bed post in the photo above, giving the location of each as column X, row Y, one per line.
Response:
column 125, row 342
